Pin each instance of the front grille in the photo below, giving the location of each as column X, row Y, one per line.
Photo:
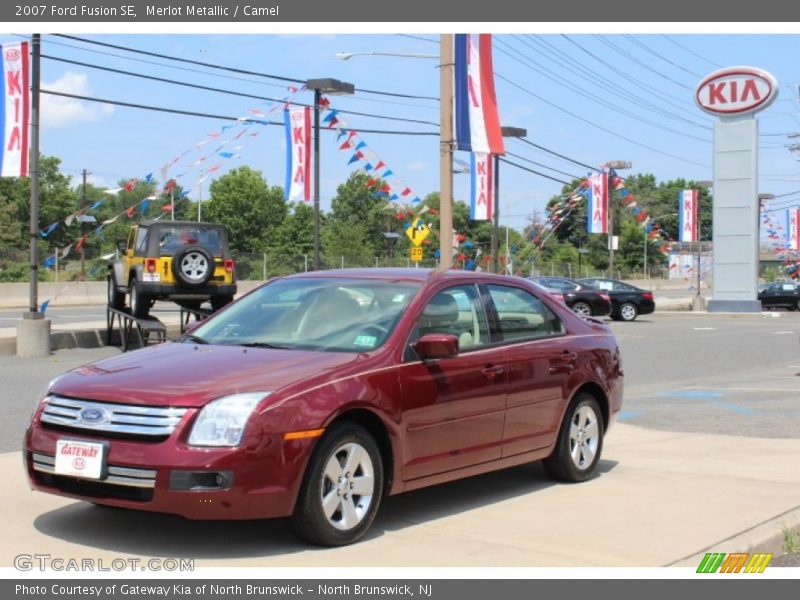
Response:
column 119, row 419
column 124, row 483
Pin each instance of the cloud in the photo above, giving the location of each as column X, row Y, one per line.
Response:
column 417, row 166
column 61, row 112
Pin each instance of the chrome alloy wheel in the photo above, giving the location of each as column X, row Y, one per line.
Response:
column 194, row 266
column 348, row 484
column 627, row 312
column 582, row 309
column 583, row 437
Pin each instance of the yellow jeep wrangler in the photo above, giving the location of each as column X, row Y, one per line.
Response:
column 181, row 261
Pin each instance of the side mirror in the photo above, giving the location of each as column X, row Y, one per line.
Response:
column 122, row 246
column 437, row 345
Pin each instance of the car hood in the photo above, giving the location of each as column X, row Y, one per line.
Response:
column 189, row 375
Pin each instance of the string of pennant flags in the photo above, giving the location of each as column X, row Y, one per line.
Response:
column 243, row 129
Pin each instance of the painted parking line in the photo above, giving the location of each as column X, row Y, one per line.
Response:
column 710, row 397
column 737, row 408
column 691, row 394
column 626, row 415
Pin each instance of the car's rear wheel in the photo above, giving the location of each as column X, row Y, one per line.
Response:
column 218, row 302
column 140, row 303
column 342, row 487
column 580, row 441
column 116, row 299
column 582, row 309
column 628, row 312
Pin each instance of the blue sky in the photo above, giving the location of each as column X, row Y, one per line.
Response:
column 651, row 77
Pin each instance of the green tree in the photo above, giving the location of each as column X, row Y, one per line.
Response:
column 361, row 210
column 252, row 211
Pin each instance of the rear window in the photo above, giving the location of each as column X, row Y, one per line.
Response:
column 172, row 239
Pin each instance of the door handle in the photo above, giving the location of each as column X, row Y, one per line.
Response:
column 491, row 371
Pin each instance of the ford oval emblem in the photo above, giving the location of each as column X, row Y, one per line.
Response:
column 93, row 416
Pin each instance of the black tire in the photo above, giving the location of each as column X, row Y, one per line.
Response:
column 140, row 303
column 193, row 266
column 561, row 465
column 309, row 519
column 218, row 302
column 628, row 311
column 582, row 308
column 116, row 299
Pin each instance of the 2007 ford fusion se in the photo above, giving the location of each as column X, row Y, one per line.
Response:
column 317, row 394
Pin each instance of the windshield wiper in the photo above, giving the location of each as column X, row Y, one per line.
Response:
column 263, row 345
column 196, row 339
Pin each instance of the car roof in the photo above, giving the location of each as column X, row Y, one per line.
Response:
column 409, row 274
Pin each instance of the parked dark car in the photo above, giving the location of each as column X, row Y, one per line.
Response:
column 627, row 301
column 315, row 395
column 780, row 295
column 582, row 299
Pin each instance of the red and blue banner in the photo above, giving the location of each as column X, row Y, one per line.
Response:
column 688, row 226
column 14, row 110
column 482, row 187
column 477, row 118
column 298, row 154
column 597, row 210
column 792, row 217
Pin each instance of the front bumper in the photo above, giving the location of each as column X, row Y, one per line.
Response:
column 259, row 479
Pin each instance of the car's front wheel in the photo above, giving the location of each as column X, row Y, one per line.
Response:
column 580, row 441
column 342, row 487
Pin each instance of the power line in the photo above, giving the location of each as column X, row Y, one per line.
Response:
column 647, row 48
column 594, row 98
column 538, row 164
column 690, row 51
column 224, row 91
column 513, row 164
column 191, row 113
column 584, row 72
column 227, row 68
column 635, row 60
column 418, row 37
column 596, row 126
column 554, row 153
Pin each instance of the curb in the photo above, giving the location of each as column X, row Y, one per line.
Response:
column 766, row 536
column 78, row 338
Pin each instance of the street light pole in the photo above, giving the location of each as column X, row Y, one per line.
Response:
column 332, row 87
column 446, row 92
column 516, row 132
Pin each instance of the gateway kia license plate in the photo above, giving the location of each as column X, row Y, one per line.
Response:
column 80, row 459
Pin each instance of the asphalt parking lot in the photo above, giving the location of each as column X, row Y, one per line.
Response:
column 709, row 419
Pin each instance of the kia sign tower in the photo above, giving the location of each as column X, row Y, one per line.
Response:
column 735, row 95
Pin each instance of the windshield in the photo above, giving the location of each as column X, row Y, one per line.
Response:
column 340, row 315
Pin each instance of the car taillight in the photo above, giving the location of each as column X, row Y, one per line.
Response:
column 150, row 265
column 648, row 295
column 229, row 266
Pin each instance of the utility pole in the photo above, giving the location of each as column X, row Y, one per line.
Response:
column 446, row 64
column 83, row 205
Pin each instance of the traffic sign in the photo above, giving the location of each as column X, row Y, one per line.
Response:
column 416, row 253
column 417, row 232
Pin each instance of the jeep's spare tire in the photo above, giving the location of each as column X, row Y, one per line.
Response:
column 193, row 266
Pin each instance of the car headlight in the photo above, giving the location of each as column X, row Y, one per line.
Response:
column 221, row 422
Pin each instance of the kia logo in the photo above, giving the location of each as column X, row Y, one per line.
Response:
column 92, row 416
column 736, row 91
column 13, row 54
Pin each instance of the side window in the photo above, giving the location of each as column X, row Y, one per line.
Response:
column 131, row 238
column 458, row 311
column 141, row 242
column 522, row 316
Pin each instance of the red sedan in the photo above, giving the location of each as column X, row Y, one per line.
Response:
column 317, row 394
